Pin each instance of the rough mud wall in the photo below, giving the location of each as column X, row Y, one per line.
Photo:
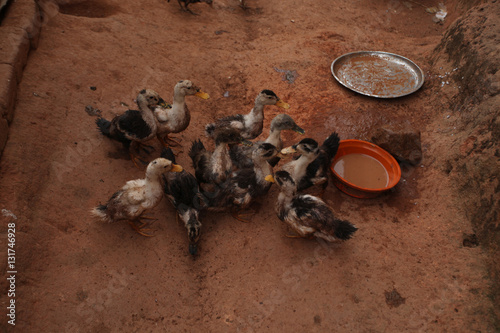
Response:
column 469, row 56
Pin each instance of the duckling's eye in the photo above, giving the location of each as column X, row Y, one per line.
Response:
column 154, row 162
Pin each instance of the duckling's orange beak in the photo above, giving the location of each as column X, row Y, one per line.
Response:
column 282, row 104
column 288, row 150
column 176, row 168
column 270, row 178
column 202, row 94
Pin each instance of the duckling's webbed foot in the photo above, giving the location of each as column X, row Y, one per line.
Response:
column 135, row 159
column 148, row 149
column 140, row 229
column 172, row 142
column 243, row 215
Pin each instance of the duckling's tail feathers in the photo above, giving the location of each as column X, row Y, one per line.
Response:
column 210, row 129
column 331, row 145
column 193, row 227
column 101, row 213
column 344, row 230
column 107, row 128
column 196, row 151
column 168, row 154
column 199, row 159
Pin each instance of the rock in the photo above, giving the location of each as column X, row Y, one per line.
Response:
column 403, row 142
column 25, row 14
column 14, row 49
column 8, row 92
column 4, row 133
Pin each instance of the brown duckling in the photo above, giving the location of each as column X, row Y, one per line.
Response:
column 244, row 185
column 242, row 155
column 133, row 126
column 214, row 167
column 308, row 215
column 183, row 192
column 313, row 165
column 250, row 125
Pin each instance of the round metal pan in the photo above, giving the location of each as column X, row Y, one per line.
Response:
column 378, row 74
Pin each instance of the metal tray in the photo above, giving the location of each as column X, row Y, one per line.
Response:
column 378, row 74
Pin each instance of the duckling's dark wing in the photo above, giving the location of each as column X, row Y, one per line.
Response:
column 317, row 170
column 109, row 129
column 184, row 192
column 245, row 179
column 133, row 125
column 201, row 162
column 274, row 161
column 309, row 210
column 314, row 213
column 168, row 154
column 236, row 191
column 312, row 171
column 222, row 123
column 241, row 156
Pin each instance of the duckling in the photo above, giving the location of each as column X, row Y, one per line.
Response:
column 312, row 167
column 214, row 167
column 187, row 2
column 183, row 192
column 137, row 196
column 242, row 155
column 175, row 118
column 133, row 126
column 250, row 124
column 244, row 185
column 308, row 215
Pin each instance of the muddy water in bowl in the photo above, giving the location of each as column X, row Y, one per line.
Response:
column 362, row 170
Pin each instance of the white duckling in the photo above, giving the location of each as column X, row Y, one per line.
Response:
column 137, row 196
column 175, row 118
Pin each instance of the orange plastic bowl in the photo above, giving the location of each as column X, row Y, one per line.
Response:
column 363, row 147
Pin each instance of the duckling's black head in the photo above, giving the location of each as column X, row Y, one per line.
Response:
column 266, row 150
column 307, row 146
column 285, row 122
column 269, row 93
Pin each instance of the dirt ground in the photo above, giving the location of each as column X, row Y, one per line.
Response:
column 405, row 270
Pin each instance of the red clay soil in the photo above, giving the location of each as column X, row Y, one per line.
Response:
column 405, row 270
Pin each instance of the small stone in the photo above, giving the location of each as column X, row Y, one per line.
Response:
column 401, row 141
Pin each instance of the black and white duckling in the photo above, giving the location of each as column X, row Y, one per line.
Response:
column 133, row 126
column 214, row 167
column 175, row 118
column 308, row 215
column 250, row 125
column 137, row 196
column 187, row 2
column 244, row 185
column 242, row 155
column 183, row 192
column 312, row 167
